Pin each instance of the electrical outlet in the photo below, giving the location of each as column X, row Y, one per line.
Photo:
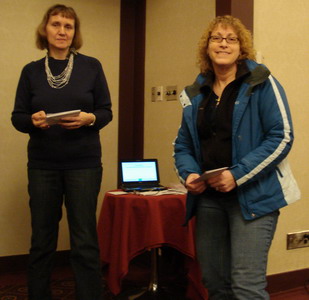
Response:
column 298, row 239
column 171, row 92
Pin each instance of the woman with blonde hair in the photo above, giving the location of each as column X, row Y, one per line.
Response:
column 64, row 155
column 235, row 118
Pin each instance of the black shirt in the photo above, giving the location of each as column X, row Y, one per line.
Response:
column 214, row 121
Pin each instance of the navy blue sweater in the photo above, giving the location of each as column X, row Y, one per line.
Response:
column 87, row 90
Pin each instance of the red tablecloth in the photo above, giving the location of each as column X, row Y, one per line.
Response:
column 130, row 224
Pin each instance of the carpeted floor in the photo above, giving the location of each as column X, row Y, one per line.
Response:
column 61, row 290
column 13, row 285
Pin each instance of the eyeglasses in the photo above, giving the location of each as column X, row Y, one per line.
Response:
column 219, row 39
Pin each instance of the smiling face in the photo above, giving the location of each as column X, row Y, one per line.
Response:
column 59, row 33
column 223, row 54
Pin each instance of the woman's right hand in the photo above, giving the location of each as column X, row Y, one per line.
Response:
column 195, row 188
column 39, row 120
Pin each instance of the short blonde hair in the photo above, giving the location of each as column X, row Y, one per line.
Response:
column 65, row 11
column 244, row 36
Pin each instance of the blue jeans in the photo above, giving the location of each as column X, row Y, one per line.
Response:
column 48, row 190
column 232, row 252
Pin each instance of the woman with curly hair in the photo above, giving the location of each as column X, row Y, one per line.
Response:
column 235, row 118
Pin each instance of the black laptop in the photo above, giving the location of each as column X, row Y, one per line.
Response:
column 140, row 175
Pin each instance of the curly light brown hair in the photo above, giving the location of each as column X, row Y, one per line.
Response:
column 64, row 11
column 244, row 36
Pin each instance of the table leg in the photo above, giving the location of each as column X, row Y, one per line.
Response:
column 153, row 284
column 154, row 291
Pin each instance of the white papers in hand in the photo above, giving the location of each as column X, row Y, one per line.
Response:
column 208, row 174
column 55, row 117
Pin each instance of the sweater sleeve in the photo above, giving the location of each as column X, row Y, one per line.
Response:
column 21, row 115
column 102, row 102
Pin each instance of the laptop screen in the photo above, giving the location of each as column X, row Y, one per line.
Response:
column 139, row 171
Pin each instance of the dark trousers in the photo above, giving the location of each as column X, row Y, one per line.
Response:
column 78, row 190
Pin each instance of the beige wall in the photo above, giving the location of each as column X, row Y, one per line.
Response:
column 173, row 30
column 100, row 24
column 281, row 36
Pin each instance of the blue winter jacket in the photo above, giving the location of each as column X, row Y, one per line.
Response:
column 262, row 136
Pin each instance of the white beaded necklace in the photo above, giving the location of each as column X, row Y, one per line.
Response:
column 59, row 81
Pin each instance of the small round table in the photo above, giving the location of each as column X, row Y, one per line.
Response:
column 130, row 224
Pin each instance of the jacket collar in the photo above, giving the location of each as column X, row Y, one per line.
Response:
column 204, row 82
column 258, row 75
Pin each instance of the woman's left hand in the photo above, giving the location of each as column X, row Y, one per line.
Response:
column 83, row 119
column 224, row 182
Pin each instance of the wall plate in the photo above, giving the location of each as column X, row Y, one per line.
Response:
column 298, row 239
column 157, row 93
column 170, row 93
